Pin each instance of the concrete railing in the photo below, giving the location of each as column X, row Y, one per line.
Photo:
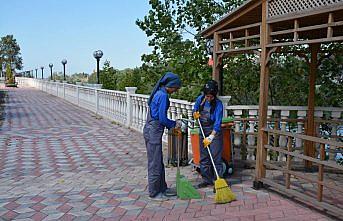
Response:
column 127, row 108
column 130, row 109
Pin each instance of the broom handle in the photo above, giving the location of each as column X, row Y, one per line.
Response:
column 208, row 149
column 178, row 150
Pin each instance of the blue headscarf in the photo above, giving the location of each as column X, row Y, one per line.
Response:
column 169, row 79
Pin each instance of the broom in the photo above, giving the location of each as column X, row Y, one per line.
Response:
column 223, row 192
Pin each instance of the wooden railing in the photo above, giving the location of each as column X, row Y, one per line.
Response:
column 328, row 124
column 287, row 186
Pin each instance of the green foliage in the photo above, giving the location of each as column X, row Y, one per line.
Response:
column 10, row 52
column 9, row 75
column 108, row 77
column 169, row 26
column 77, row 77
column 114, row 79
column 58, row 76
column 288, row 83
column 330, row 77
column 241, row 79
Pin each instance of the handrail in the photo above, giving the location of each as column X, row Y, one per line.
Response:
column 333, row 144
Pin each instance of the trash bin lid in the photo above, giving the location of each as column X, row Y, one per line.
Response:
column 227, row 119
column 195, row 131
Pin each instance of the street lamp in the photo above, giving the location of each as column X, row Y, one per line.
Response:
column 97, row 55
column 42, row 71
column 51, row 65
column 209, row 46
column 209, row 50
column 64, row 62
column 36, row 72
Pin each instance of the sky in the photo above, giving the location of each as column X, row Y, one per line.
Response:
column 48, row 31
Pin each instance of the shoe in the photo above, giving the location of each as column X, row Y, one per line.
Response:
column 159, row 197
column 170, row 192
column 203, row 185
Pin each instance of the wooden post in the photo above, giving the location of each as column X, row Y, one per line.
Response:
column 263, row 100
column 231, row 43
column 309, row 148
column 321, row 173
column 246, row 42
column 217, row 70
column 296, row 27
column 330, row 29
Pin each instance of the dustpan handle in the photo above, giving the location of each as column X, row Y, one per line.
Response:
column 208, row 149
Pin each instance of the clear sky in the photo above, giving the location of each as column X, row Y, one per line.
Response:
column 49, row 30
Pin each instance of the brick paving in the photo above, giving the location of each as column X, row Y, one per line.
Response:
column 61, row 162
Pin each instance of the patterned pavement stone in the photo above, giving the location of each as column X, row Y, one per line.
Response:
column 61, row 162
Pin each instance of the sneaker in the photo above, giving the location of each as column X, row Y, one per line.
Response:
column 170, row 192
column 159, row 197
column 203, row 185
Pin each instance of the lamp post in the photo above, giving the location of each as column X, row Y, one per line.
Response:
column 209, row 46
column 51, row 65
column 97, row 55
column 64, row 62
column 42, row 72
column 209, row 50
column 36, row 72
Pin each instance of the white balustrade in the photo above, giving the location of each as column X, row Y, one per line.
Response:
column 85, row 98
column 225, row 100
column 237, row 137
column 284, row 117
column 251, row 138
column 130, row 109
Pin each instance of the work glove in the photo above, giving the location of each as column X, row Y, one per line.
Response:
column 208, row 140
column 178, row 124
column 196, row 115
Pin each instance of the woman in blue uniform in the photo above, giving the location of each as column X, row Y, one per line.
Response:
column 209, row 109
column 153, row 130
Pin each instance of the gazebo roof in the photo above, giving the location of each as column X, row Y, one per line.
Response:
column 289, row 23
column 248, row 13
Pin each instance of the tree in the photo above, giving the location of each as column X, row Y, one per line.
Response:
column 170, row 25
column 108, row 77
column 10, row 52
column 9, row 75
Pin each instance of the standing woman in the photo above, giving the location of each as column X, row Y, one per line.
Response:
column 209, row 109
column 153, row 130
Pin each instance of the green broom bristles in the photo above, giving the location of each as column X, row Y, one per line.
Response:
column 223, row 192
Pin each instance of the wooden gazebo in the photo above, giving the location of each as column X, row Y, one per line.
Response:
column 264, row 27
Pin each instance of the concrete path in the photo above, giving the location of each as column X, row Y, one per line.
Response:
column 60, row 162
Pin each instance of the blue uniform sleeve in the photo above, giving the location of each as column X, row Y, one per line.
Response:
column 218, row 116
column 164, row 105
column 197, row 104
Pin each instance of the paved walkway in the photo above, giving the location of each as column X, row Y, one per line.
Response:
column 60, row 162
